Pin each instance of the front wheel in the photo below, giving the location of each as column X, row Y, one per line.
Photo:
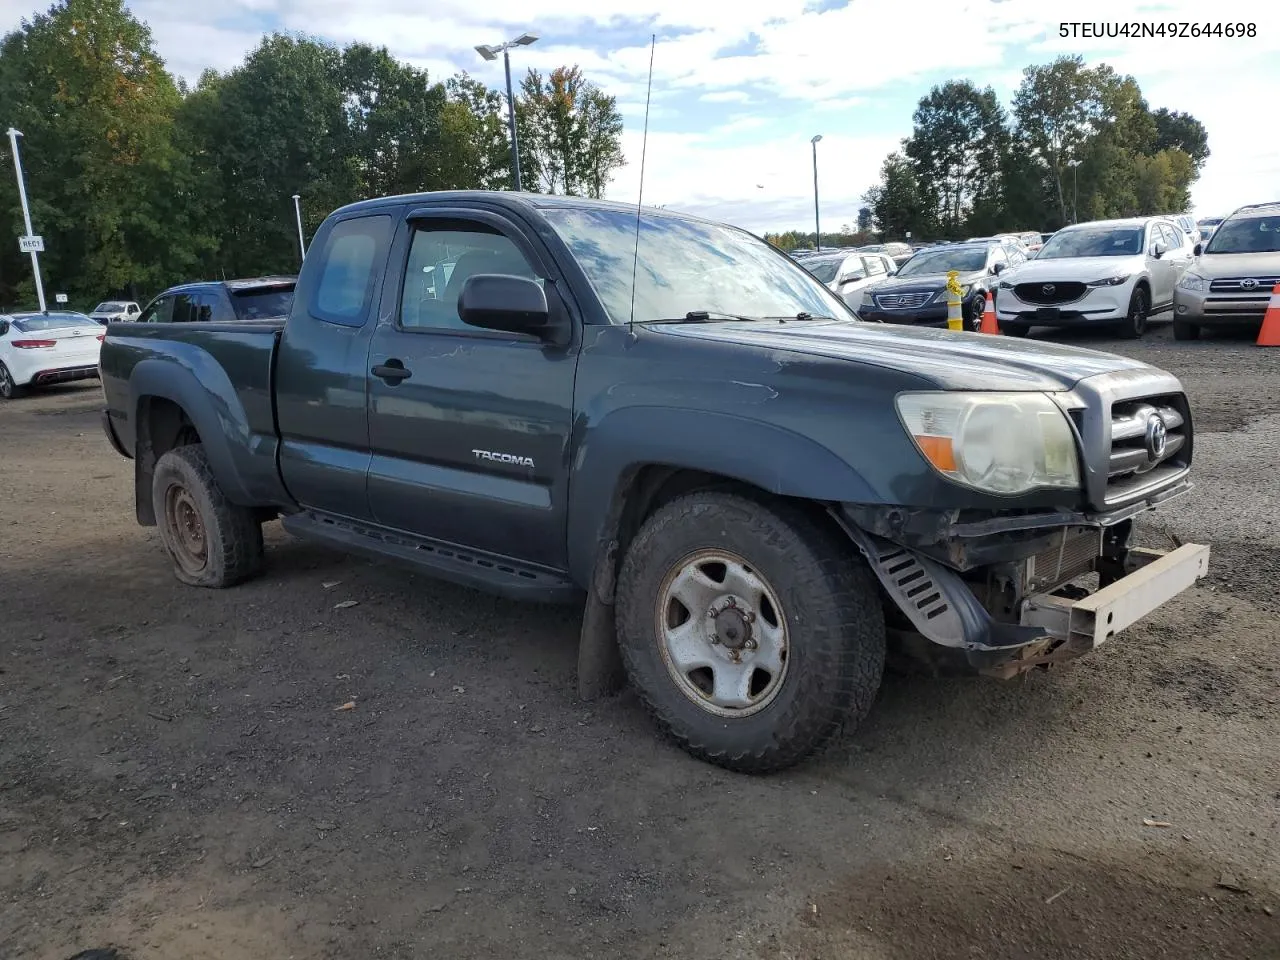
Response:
column 8, row 389
column 1134, row 325
column 212, row 542
column 752, row 632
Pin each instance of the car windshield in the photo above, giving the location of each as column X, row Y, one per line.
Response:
column 824, row 269
column 1246, row 235
column 52, row 321
column 110, row 306
column 686, row 266
column 1093, row 242
column 962, row 259
column 268, row 304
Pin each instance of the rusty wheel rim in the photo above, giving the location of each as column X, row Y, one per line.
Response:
column 186, row 529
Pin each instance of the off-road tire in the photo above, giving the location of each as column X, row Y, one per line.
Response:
column 1183, row 330
column 1134, row 325
column 8, row 389
column 231, row 534
column 832, row 610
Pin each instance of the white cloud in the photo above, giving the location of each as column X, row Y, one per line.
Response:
column 839, row 66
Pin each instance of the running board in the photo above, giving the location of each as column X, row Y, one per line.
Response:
column 486, row 572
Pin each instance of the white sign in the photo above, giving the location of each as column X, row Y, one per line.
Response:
column 60, row 298
column 31, row 244
column 908, row 234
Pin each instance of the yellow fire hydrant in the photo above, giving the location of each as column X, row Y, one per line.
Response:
column 955, row 303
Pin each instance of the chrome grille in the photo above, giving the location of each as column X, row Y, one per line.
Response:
column 1245, row 285
column 903, row 301
column 1050, row 293
column 1137, row 459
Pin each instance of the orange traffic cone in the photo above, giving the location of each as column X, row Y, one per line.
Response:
column 1269, row 335
column 989, row 324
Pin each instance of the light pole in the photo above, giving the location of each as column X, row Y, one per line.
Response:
column 297, row 211
column 817, row 224
column 491, row 53
column 26, row 214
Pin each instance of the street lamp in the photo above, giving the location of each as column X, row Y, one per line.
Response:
column 817, row 226
column 29, row 241
column 491, row 53
column 297, row 210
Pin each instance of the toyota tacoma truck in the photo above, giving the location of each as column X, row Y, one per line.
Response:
column 755, row 497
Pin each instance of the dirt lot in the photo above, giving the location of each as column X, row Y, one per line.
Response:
column 175, row 780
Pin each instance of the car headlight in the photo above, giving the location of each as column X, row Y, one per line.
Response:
column 944, row 294
column 1193, row 281
column 868, row 298
column 1006, row 285
column 1004, row 443
column 1109, row 281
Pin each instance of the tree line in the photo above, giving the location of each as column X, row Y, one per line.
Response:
column 137, row 181
column 1077, row 144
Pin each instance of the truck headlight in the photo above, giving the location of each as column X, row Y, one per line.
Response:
column 1193, row 281
column 1005, row 443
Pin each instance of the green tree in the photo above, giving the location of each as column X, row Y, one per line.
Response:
column 476, row 146
column 570, row 132
column 1183, row 131
column 957, row 141
column 864, row 219
column 95, row 104
column 898, row 203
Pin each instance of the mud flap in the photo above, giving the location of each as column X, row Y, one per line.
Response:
column 600, row 669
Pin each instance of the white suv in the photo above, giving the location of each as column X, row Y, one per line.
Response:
column 1116, row 273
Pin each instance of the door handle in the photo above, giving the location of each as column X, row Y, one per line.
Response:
column 392, row 371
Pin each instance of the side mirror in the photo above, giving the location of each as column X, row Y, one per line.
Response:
column 997, row 268
column 1159, row 250
column 1198, row 249
column 4, row 327
column 510, row 304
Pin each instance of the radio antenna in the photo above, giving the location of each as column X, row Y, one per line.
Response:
column 644, row 147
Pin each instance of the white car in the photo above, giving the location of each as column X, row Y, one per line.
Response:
column 42, row 348
column 109, row 311
column 847, row 272
column 1114, row 273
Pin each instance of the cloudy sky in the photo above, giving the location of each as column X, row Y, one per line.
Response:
column 740, row 87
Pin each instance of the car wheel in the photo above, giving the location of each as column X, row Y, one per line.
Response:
column 752, row 632
column 212, row 543
column 1183, row 330
column 8, row 389
column 1134, row 325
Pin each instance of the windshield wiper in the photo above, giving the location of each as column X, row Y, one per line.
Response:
column 705, row 316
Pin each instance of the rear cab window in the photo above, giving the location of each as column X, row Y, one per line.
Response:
column 350, row 263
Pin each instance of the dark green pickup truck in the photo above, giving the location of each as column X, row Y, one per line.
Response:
column 754, row 496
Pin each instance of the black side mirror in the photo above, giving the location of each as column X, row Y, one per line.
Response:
column 494, row 301
column 1158, row 250
column 1199, row 249
column 997, row 268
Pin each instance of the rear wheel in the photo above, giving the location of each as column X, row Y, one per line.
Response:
column 752, row 633
column 1184, row 330
column 212, row 543
column 8, row 389
column 1134, row 325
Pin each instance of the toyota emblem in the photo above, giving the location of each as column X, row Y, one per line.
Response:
column 1157, row 438
column 1048, row 289
column 1249, row 284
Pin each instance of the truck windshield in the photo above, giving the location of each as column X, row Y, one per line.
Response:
column 263, row 304
column 687, row 266
column 109, row 306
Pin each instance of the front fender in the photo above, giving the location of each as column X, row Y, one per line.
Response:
column 763, row 455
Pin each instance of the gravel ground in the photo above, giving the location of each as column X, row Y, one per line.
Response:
column 176, row 781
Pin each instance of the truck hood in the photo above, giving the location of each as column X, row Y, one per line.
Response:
column 952, row 360
column 1083, row 269
column 1259, row 266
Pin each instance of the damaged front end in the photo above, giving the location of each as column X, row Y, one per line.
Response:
column 1003, row 594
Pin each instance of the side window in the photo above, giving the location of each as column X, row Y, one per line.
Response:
column 349, row 262
column 184, row 307
column 441, row 259
column 160, row 311
column 1016, row 257
column 873, row 266
column 204, row 308
column 998, row 256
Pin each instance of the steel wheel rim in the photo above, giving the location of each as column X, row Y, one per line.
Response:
column 182, row 515
column 722, row 633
